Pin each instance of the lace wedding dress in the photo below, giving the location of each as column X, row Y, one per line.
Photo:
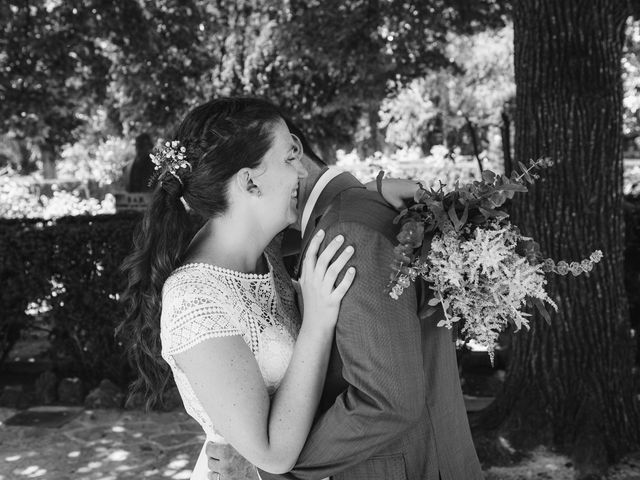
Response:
column 202, row 301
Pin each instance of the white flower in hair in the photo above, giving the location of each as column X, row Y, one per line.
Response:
column 170, row 159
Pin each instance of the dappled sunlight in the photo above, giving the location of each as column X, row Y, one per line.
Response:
column 179, row 461
column 542, row 463
column 21, row 456
column 176, row 468
column 90, row 466
column 104, row 445
column 118, row 456
column 32, row 471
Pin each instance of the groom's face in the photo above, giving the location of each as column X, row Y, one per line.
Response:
column 305, row 186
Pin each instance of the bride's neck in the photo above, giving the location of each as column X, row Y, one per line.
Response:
column 230, row 242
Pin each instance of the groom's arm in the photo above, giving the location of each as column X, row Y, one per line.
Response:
column 378, row 339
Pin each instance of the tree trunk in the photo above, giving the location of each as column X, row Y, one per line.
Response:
column 570, row 385
column 505, row 133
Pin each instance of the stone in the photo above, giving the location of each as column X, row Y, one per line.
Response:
column 46, row 388
column 12, row 396
column 106, row 395
column 71, row 391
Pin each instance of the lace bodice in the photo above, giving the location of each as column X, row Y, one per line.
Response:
column 202, row 301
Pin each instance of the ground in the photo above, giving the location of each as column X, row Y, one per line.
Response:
column 119, row 444
column 131, row 444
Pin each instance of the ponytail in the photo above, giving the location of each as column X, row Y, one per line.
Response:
column 219, row 137
column 159, row 244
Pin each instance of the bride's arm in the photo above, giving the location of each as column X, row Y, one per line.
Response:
column 226, row 379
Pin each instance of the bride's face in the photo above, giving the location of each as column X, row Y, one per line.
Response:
column 278, row 178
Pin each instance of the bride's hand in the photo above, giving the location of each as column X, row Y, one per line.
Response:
column 320, row 295
column 395, row 190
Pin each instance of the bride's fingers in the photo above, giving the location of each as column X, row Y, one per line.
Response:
column 309, row 262
column 336, row 267
column 340, row 291
column 327, row 254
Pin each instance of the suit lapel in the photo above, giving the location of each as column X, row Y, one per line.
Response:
column 337, row 185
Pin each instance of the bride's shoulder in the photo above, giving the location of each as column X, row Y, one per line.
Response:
column 193, row 291
column 194, row 279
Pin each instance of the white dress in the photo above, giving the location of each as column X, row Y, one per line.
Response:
column 202, row 301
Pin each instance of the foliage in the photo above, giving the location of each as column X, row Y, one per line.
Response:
column 343, row 58
column 18, row 201
column 431, row 170
column 481, row 269
column 474, row 88
column 631, row 181
column 632, row 263
column 102, row 163
column 70, row 268
column 147, row 63
column 51, row 68
column 159, row 59
column 631, row 79
column 67, row 272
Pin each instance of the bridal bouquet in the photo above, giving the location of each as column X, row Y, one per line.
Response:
column 482, row 270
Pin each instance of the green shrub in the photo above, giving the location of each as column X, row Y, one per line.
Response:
column 632, row 263
column 68, row 271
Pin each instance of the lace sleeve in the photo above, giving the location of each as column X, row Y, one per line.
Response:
column 194, row 310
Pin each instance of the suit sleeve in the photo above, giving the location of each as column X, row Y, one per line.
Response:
column 378, row 339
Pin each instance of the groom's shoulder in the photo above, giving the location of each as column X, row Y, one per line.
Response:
column 363, row 207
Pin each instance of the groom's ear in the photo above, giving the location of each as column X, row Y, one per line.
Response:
column 244, row 180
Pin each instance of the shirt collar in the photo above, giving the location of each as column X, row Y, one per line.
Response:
column 329, row 174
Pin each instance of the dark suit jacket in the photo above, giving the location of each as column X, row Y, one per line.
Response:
column 392, row 406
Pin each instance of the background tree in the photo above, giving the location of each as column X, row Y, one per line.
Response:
column 438, row 107
column 330, row 63
column 571, row 384
column 345, row 57
column 51, row 71
column 158, row 57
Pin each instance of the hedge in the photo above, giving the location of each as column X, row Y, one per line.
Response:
column 72, row 264
column 632, row 264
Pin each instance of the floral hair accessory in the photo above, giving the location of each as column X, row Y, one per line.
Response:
column 170, row 159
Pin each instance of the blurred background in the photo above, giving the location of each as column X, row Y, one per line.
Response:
column 388, row 84
column 422, row 90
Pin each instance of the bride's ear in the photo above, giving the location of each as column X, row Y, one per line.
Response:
column 244, row 180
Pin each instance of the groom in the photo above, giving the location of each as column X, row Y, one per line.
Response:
column 392, row 405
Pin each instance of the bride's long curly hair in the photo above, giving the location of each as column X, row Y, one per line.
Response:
column 221, row 137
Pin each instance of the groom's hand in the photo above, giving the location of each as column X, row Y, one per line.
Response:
column 214, row 454
column 397, row 192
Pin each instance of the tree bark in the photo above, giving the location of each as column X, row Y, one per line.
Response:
column 571, row 385
column 505, row 133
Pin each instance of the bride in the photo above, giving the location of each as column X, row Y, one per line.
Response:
column 219, row 308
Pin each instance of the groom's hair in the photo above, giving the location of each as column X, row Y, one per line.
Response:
column 306, row 147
